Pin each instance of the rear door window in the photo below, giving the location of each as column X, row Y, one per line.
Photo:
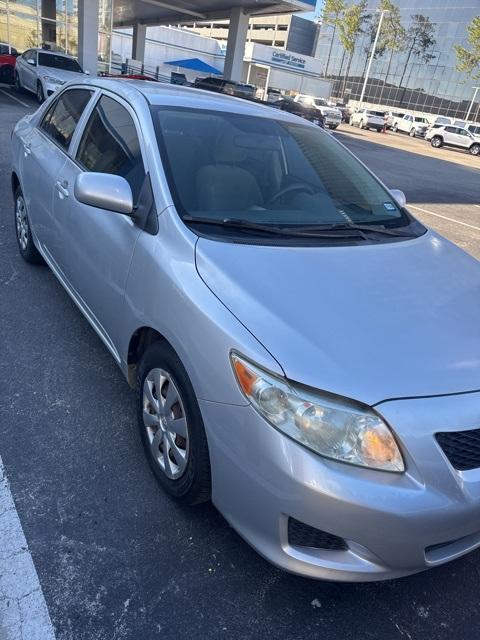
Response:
column 62, row 117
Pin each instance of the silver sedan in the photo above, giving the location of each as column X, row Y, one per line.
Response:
column 305, row 352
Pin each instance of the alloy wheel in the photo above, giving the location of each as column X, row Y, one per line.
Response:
column 475, row 150
column 165, row 422
column 21, row 220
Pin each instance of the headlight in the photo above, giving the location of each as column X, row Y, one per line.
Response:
column 334, row 428
column 53, row 80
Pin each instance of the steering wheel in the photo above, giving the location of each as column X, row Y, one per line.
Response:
column 296, row 186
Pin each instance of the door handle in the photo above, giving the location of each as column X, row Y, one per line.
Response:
column 62, row 188
column 27, row 150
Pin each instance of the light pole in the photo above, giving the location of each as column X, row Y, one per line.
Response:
column 471, row 103
column 372, row 54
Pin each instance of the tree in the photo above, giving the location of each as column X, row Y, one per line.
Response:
column 332, row 16
column 468, row 60
column 349, row 30
column 371, row 31
column 393, row 33
column 419, row 40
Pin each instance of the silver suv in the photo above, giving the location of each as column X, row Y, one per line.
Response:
column 451, row 136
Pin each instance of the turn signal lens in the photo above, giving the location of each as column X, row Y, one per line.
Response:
column 333, row 427
column 245, row 376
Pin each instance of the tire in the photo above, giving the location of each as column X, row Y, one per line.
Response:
column 6, row 74
column 395, row 128
column 26, row 246
column 18, row 85
column 436, row 142
column 412, row 132
column 360, row 124
column 475, row 149
column 184, row 471
column 39, row 93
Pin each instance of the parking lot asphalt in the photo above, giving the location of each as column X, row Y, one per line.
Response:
column 116, row 559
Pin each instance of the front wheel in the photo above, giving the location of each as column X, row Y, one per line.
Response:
column 412, row 133
column 360, row 124
column 475, row 149
column 171, row 426
column 40, row 96
column 395, row 128
column 436, row 142
column 27, row 248
column 18, row 84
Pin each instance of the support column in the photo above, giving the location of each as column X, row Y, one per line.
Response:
column 88, row 35
column 237, row 37
column 138, row 42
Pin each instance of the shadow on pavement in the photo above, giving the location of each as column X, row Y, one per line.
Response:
column 422, row 178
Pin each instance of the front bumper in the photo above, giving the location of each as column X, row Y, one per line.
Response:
column 394, row 524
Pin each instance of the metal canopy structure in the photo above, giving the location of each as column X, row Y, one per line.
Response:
column 127, row 13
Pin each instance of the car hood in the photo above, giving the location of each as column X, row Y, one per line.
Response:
column 369, row 322
column 61, row 74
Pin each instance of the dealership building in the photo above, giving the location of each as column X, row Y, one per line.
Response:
column 84, row 27
column 419, row 76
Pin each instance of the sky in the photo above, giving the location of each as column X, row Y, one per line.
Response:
column 310, row 14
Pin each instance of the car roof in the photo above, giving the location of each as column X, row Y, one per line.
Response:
column 163, row 94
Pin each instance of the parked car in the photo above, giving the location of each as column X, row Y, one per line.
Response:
column 390, row 117
column 44, row 72
column 299, row 109
column 261, row 291
column 8, row 59
column 451, row 136
column 332, row 116
column 368, row 119
column 229, row 87
column 474, row 129
column 413, row 125
column 345, row 111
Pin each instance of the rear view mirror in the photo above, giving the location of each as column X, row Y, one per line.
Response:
column 399, row 197
column 105, row 191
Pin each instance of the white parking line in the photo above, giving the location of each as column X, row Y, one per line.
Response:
column 438, row 215
column 9, row 95
column 23, row 611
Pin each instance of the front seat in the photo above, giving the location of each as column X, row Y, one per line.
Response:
column 224, row 185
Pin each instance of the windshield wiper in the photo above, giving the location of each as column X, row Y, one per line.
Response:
column 361, row 228
column 320, row 231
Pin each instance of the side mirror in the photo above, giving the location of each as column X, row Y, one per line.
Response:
column 399, row 197
column 87, row 73
column 104, row 191
column 32, row 62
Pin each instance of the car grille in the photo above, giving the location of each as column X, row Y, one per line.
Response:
column 462, row 448
column 303, row 535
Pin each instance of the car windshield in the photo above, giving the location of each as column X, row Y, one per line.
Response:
column 380, row 114
column 319, row 102
column 227, row 166
column 58, row 62
column 420, row 120
column 475, row 130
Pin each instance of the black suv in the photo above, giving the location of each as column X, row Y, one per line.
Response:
column 231, row 88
